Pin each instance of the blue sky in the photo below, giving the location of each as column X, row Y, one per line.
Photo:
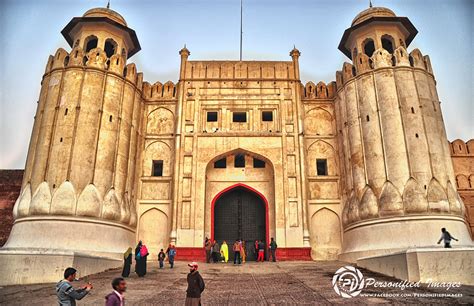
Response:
column 30, row 31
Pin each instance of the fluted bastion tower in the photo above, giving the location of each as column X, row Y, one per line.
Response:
column 398, row 182
column 80, row 170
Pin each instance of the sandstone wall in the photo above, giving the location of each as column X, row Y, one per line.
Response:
column 10, row 185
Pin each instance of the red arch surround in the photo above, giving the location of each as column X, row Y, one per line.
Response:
column 259, row 194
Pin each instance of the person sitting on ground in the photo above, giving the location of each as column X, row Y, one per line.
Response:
column 446, row 236
column 195, row 286
column 116, row 298
column 66, row 293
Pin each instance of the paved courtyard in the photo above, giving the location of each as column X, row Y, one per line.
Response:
column 249, row 284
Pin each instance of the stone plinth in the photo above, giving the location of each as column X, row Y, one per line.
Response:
column 425, row 265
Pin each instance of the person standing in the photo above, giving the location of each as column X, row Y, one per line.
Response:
column 141, row 254
column 207, row 247
column 127, row 262
column 116, row 297
column 161, row 258
column 66, row 293
column 224, row 251
column 243, row 251
column 261, row 251
column 446, row 236
column 273, row 247
column 171, row 252
column 215, row 251
column 195, row 286
column 236, row 249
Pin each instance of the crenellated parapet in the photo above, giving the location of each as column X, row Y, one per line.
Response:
column 159, row 91
column 381, row 58
column 319, row 91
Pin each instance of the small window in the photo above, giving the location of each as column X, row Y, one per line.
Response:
column 321, row 167
column 239, row 117
column 257, row 163
column 157, row 168
column 267, row 116
column 387, row 43
column 221, row 163
column 211, row 116
column 239, row 161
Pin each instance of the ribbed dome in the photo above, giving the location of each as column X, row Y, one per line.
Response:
column 372, row 12
column 105, row 12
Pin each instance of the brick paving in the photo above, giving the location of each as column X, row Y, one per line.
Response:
column 282, row 283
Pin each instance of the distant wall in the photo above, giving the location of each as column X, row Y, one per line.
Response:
column 462, row 154
column 10, row 185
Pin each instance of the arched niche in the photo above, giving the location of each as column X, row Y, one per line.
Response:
column 318, row 121
column 325, row 234
column 160, row 121
column 321, row 150
column 153, row 230
column 157, row 151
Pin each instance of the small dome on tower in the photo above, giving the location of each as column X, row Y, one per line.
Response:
column 105, row 12
column 372, row 12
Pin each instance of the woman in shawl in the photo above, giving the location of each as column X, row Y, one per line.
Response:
column 140, row 266
column 127, row 262
column 224, row 251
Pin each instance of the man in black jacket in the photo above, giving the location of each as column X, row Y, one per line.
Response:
column 195, row 286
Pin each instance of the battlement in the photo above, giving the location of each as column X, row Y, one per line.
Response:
column 459, row 147
column 319, row 91
column 160, row 91
column 95, row 58
column 381, row 58
column 245, row 70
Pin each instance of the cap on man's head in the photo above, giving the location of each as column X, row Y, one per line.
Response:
column 193, row 265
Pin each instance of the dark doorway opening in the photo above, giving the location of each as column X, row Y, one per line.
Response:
column 240, row 214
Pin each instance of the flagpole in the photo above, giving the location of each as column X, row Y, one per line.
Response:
column 240, row 30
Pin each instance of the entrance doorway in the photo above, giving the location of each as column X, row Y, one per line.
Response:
column 240, row 213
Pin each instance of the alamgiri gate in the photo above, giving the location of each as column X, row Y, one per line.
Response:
column 357, row 170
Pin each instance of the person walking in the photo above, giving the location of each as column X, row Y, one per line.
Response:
column 208, row 247
column 195, row 286
column 446, row 236
column 127, row 262
column 141, row 254
column 116, row 297
column 215, row 251
column 236, row 249
column 255, row 250
column 171, row 252
column 161, row 258
column 66, row 293
column 261, row 251
column 273, row 247
column 224, row 251
column 243, row 251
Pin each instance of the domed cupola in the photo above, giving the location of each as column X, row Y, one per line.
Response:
column 374, row 28
column 102, row 28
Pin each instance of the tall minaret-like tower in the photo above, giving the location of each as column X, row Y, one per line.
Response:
column 398, row 183
column 78, row 193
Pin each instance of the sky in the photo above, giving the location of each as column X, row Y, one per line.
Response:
column 30, row 32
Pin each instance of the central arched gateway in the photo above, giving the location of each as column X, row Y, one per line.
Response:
column 240, row 212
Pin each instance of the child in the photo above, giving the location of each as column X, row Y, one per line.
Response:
column 161, row 258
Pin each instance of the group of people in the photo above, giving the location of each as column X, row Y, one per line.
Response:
column 67, row 294
column 141, row 255
column 216, row 253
